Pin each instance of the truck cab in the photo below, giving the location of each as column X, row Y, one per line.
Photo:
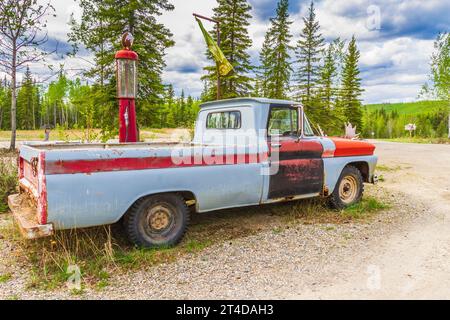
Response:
column 245, row 151
column 300, row 164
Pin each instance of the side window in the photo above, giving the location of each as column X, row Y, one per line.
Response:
column 283, row 121
column 307, row 129
column 223, row 120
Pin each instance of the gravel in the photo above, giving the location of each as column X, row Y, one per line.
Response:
column 297, row 261
column 265, row 265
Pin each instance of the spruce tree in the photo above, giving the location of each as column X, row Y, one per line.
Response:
column 25, row 102
column 234, row 17
column 331, row 117
column 181, row 110
column 275, row 54
column 351, row 86
column 5, row 103
column 102, row 24
column 328, row 74
column 166, row 119
column 308, row 52
column 263, row 70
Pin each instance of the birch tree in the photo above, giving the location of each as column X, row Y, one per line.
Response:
column 22, row 31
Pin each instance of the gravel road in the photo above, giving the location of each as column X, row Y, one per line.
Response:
column 403, row 253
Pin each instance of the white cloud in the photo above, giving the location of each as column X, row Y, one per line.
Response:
column 190, row 48
column 394, row 65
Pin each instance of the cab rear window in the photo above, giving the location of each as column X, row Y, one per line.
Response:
column 223, row 120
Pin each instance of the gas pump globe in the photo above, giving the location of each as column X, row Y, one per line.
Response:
column 126, row 68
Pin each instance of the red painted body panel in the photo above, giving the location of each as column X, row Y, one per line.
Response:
column 300, row 168
column 42, row 201
column 120, row 164
column 349, row 148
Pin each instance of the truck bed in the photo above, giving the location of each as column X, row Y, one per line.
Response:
column 81, row 185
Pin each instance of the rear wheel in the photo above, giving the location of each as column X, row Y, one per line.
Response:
column 349, row 189
column 157, row 221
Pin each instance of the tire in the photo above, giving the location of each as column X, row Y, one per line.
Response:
column 157, row 221
column 349, row 189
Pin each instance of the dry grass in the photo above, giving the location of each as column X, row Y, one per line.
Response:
column 8, row 177
column 95, row 134
column 103, row 251
column 28, row 135
column 419, row 140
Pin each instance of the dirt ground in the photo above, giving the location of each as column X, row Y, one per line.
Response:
column 414, row 261
column 404, row 252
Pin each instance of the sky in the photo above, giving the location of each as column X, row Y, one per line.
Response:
column 395, row 38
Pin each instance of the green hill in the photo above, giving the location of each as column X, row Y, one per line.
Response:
column 408, row 108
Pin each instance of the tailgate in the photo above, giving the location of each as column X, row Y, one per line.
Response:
column 32, row 179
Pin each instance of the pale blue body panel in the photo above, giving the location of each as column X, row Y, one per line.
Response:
column 97, row 198
column 334, row 166
column 83, row 200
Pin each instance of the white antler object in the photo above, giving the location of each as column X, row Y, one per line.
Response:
column 350, row 131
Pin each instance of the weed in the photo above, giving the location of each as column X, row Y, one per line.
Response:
column 277, row 230
column 5, row 277
column 195, row 246
column 385, row 168
column 98, row 254
column 8, row 179
column 366, row 206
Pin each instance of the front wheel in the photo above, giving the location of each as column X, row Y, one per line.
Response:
column 157, row 221
column 349, row 189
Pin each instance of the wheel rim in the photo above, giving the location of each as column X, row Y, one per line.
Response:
column 348, row 189
column 159, row 219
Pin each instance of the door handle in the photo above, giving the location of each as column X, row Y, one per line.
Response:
column 276, row 145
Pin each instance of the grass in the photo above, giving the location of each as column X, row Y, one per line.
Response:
column 104, row 251
column 101, row 252
column 408, row 108
column 5, row 277
column 76, row 135
column 365, row 208
column 94, row 251
column 25, row 135
column 315, row 211
column 419, row 140
column 385, row 168
column 8, row 178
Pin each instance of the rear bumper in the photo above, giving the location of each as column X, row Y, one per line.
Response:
column 25, row 215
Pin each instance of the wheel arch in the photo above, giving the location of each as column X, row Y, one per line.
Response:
column 186, row 194
column 362, row 166
column 333, row 168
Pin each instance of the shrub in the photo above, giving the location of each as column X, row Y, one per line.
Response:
column 8, row 179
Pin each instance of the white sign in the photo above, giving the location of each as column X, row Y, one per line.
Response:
column 410, row 127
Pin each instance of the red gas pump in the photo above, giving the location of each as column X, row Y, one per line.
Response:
column 126, row 68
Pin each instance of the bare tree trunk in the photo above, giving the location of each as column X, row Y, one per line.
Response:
column 34, row 115
column 13, row 99
column 54, row 115
column 449, row 125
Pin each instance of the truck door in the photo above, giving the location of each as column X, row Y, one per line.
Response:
column 295, row 155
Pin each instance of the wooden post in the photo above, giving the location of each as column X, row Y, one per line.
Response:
column 217, row 68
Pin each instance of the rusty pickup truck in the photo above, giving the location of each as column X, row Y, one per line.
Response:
column 245, row 152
